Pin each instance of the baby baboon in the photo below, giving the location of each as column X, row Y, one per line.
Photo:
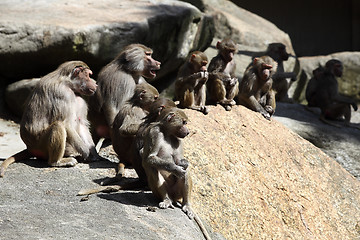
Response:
column 223, row 86
column 54, row 125
column 166, row 169
column 255, row 90
column 160, row 105
column 128, row 120
column 156, row 112
column 190, row 87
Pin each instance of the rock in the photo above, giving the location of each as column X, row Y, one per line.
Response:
column 17, row 93
column 40, row 202
column 252, row 179
column 342, row 144
column 256, row 179
column 34, row 40
column 349, row 83
column 251, row 32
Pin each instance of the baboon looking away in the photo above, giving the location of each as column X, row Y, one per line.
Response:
column 54, row 125
column 117, row 82
column 166, row 169
column 277, row 51
column 322, row 91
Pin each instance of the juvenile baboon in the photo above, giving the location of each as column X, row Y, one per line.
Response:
column 323, row 92
column 313, row 84
column 255, row 88
column 166, row 169
column 160, row 107
column 223, row 85
column 128, row 120
column 117, row 82
column 190, row 85
column 54, row 124
column 277, row 51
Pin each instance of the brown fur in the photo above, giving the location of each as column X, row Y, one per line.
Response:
column 117, row 82
column 255, row 90
column 54, row 125
column 223, row 85
column 277, row 51
column 190, row 87
column 128, row 120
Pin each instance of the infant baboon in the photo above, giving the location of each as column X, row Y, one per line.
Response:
column 190, row 85
column 166, row 169
column 223, row 85
column 128, row 120
column 255, row 90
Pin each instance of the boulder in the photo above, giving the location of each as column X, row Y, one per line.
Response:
column 342, row 144
column 17, row 93
column 252, row 179
column 256, row 179
column 34, row 40
column 349, row 83
column 251, row 32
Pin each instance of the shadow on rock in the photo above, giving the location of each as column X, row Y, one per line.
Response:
column 135, row 198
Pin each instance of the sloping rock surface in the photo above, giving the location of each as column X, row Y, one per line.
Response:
column 256, row 179
column 253, row 179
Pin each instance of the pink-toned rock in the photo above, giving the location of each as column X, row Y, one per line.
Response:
column 255, row 179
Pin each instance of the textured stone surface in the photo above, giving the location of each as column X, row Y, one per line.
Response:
column 253, row 179
column 342, row 144
column 256, row 179
column 37, row 36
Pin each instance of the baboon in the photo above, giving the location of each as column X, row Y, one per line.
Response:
column 255, row 90
column 166, row 169
column 223, row 85
column 313, row 83
column 160, row 107
column 190, row 85
column 277, row 51
column 128, row 120
column 54, row 124
column 117, row 82
column 322, row 92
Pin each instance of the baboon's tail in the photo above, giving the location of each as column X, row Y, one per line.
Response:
column 201, row 226
column 24, row 154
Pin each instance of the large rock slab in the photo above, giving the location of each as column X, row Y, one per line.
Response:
column 251, row 32
column 256, row 179
column 342, row 144
column 37, row 36
column 252, row 178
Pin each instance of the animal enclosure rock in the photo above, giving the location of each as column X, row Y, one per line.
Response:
column 255, row 179
column 37, row 36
